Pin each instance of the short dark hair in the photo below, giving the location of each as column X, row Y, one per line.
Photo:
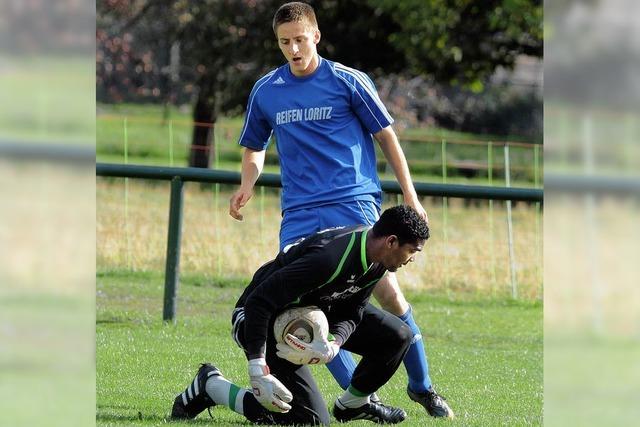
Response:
column 294, row 12
column 404, row 222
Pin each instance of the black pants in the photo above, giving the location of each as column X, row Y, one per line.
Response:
column 382, row 340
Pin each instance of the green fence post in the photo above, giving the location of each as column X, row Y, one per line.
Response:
column 125, row 135
column 536, row 184
column 445, row 214
column 494, row 280
column 170, row 142
column 172, row 272
column 216, row 197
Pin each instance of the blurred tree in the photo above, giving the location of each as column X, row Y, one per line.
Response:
column 223, row 46
column 228, row 44
column 463, row 41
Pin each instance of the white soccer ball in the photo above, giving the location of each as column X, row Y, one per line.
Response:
column 304, row 323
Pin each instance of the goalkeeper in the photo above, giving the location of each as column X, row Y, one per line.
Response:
column 335, row 270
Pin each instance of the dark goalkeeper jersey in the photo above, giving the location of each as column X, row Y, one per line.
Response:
column 328, row 269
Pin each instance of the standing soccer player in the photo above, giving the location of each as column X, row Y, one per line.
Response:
column 325, row 116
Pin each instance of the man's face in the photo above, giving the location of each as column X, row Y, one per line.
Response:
column 398, row 255
column 297, row 41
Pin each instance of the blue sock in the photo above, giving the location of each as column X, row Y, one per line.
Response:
column 416, row 360
column 342, row 367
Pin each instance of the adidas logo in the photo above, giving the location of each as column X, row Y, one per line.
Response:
column 279, row 81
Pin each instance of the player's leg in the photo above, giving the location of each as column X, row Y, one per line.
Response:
column 297, row 224
column 342, row 367
column 382, row 340
column 387, row 292
column 420, row 389
column 307, row 407
column 211, row 388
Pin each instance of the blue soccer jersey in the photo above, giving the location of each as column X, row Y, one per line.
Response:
column 323, row 125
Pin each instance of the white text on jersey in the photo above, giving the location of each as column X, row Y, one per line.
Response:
column 306, row 114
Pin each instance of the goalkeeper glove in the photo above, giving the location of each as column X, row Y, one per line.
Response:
column 267, row 389
column 302, row 353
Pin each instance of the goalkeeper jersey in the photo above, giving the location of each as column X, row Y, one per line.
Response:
column 328, row 269
column 323, row 125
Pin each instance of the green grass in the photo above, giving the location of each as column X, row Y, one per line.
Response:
column 485, row 354
column 46, row 359
column 575, row 391
column 48, row 99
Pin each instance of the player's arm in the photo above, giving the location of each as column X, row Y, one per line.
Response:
column 255, row 136
column 395, row 157
column 372, row 113
column 278, row 290
column 345, row 316
column 252, row 164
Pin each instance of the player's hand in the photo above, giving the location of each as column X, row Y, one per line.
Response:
column 267, row 389
column 301, row 353
column 237, row 201
column 414, row 202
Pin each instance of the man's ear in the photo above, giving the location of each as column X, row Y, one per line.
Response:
column 390, row 240
column 316, row 36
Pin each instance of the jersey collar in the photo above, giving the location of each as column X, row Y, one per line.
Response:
column 291, row 77
column 363, row 249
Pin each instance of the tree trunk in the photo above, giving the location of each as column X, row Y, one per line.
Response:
column 204, row 116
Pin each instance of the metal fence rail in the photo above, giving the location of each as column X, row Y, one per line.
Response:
column 593, row 185
column 82, row 154
column 178, row 176
column 273, row 180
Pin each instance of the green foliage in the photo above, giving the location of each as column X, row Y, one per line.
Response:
column 228, row 44
column 485, row 355
column 223, row 47
column 209, row 53
column 463, row 41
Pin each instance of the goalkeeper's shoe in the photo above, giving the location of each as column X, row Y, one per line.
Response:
column 194, row 399
column 372, row 411
column 435, row 404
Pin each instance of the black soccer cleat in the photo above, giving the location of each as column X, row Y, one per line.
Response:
column 435, row 404
column 372, row 411
column 194, row 399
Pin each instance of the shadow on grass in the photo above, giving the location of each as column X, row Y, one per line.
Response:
column 155, row 419
column 109, row 414
column 109, row 321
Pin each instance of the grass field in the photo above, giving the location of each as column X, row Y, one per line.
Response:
column 47, row 294
column 485, row 353
column 485, row 349
column 47, row 99
column 468, row 250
